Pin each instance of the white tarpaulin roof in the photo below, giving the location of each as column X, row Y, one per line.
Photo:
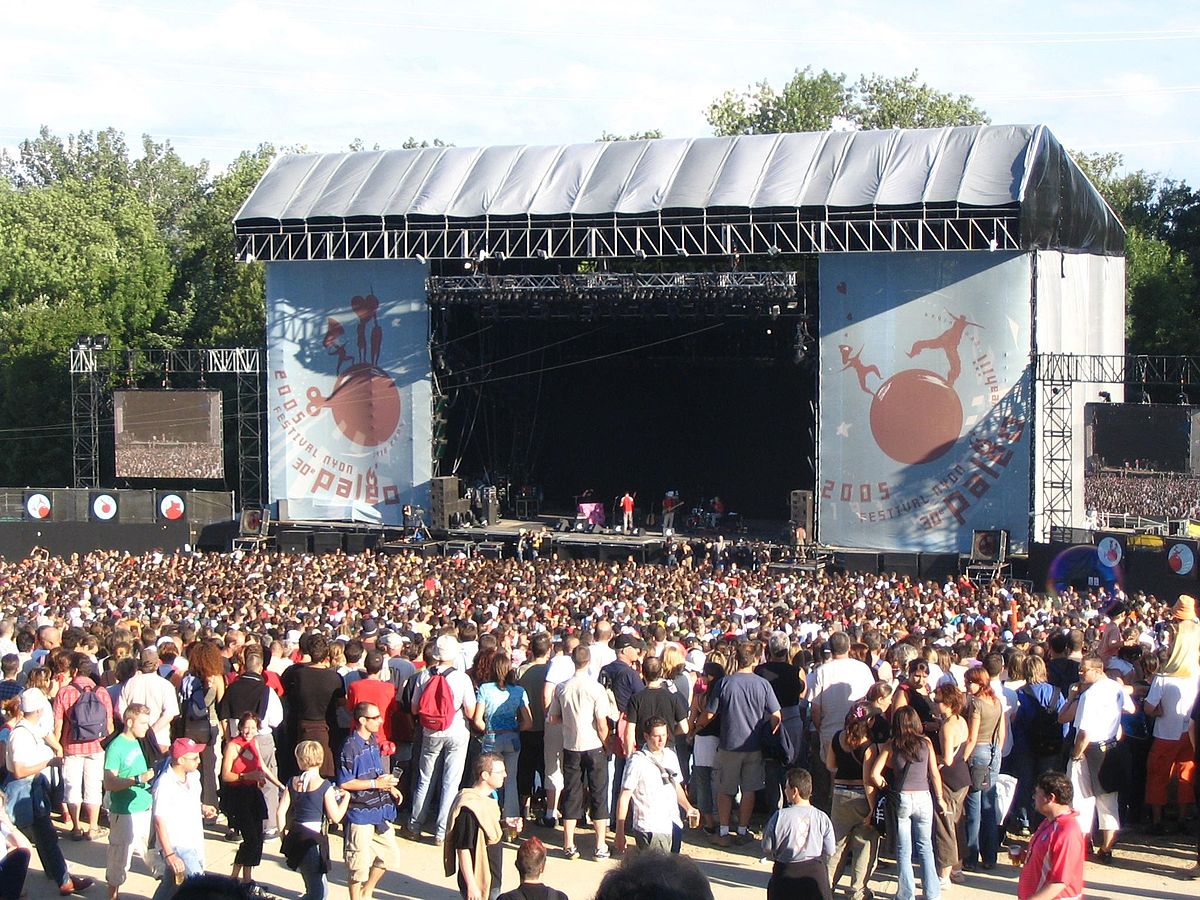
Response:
column 977, row 166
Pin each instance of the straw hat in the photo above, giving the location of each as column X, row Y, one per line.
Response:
column 1184, row 608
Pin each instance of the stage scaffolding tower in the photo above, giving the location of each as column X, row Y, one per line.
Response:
column 96, row 370
column 1056, row 374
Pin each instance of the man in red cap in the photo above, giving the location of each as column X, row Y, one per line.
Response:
column 179, row 817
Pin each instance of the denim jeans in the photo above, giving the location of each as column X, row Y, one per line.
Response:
column 914, row 841
column 192, row 865
column 315, row 885
column 508, row 745
column 13, row 869
column 44, row 838
column 982, row 829
column 1027, row 767
column 447, row 752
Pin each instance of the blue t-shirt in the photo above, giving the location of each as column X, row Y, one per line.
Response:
column 744, row 700
column 500, row 707
column 361, row 759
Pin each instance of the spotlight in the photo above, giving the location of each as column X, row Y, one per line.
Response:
column 773, row 250
column 1106, row 396
column 579, row 526
column 421, row 258
column 539, row 253
column 639, row 253
column 681, row 251
column 483, row 255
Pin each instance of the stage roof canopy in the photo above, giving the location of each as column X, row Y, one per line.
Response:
column 978, row 187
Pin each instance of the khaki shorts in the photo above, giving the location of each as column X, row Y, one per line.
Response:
column 367, row 849
column 740, row 770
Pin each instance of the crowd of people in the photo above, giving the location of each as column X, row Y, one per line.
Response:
column 819, row 718
column 1150, row 495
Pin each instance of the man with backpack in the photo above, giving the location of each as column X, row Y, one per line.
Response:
column 443, row 700
column 83, row 716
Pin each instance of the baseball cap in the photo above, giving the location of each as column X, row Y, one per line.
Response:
column 32, row 700
column 182, row 746
column 628, row 640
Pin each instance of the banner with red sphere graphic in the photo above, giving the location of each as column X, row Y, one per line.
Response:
column 348, row 389
column 925, row 399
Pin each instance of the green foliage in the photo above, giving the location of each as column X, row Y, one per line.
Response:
column 652, row 135
column 94, row 240
column 821, row 101
column 807, row 102
column 905, row 102
column 1162, row 253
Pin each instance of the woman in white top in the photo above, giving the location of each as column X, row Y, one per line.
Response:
column 1169, row 702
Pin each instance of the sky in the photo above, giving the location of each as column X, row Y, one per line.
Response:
column 216, row 77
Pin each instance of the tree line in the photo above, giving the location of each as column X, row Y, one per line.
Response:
column 97, row 237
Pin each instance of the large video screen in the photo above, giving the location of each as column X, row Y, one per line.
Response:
column 1141, row 435
column 168, row 434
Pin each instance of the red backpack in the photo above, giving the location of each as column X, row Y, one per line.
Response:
column 436, row 709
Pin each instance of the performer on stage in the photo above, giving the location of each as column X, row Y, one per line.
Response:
column 670, row 502
column 627, row 511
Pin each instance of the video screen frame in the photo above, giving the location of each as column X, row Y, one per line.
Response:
column 169, row 434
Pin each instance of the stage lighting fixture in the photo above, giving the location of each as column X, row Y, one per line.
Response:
column 591, row 529
column 100, row 342
column 773, row 250
column 1106, row 396
column 501, row 256
column 639, row 253
column 637, row 532
column 421, row 258
column 579, row 526
column 681, row 251
column 540, row 253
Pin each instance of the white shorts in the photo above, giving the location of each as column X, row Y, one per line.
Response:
column 83, row 778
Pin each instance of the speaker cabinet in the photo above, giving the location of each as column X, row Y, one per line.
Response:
column 989, row 545
column 293, row 541
column 801, row 511
column 326, row 541
column 443, row 501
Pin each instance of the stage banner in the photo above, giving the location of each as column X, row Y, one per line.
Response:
column 924, row 399
column 348, row 388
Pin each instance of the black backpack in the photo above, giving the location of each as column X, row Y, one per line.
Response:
column 88, row 718
column 1045, row 731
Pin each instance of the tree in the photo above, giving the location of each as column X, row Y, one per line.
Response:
column 652, row 135
column 1162, row 253
column 819, row 102
column 807, row 102
column 904, row 102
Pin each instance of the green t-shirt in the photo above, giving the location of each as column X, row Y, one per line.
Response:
column 124, row 756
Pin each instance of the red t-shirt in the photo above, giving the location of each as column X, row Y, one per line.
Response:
column 381, row 693
column 1056, row 854
column 627, row 503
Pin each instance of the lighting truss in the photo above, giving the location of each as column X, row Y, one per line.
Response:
column 748, row 233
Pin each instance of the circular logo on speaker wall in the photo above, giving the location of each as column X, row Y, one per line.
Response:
column 1181, row 559
column 104, row 507
column 1109, row 551
column 38, row 506
column 170, row 507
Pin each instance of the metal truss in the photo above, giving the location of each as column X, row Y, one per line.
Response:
column 1115, row 369
column 86, row 397
column 651, row 294
column 95, row 371
column 638, row 237
column 1057, row 373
